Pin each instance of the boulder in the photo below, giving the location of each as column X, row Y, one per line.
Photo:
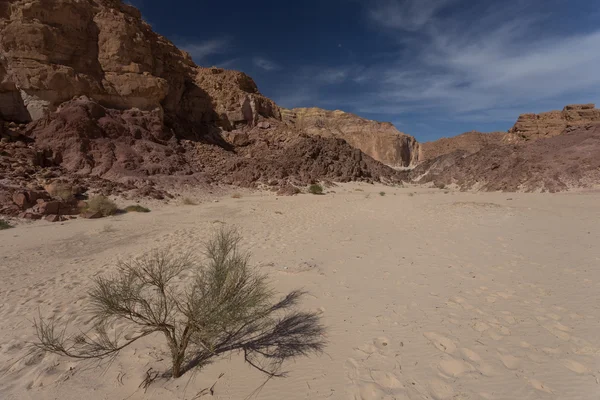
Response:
column 30, row 215
column 55, row 218
column 91, row 214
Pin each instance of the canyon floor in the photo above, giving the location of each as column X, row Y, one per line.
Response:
column 426, row 294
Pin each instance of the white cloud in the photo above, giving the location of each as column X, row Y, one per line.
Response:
column 500, row 60
column 201, row 50
column 409, row 15
column 265, row 64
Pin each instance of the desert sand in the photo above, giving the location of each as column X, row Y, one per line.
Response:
column 426, row 294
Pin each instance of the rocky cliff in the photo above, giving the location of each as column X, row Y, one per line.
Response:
column 54, row 50
column 380, row 140
column 529, row 127
column 553, row 123
column 551, row 151
column 553, row 164
column 469, row 142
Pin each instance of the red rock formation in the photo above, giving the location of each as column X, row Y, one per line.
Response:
column 528, row 127
column 554, row 164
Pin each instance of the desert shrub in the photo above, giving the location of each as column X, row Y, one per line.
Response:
column 202, row 309
column 189, row 202
column 440, row 185
column 315, row 188
column 101, row 204
column 137, row 208
column 4, row 225
column 236, row 196
column 382, row 194
column 411, row 194
column 61, row 190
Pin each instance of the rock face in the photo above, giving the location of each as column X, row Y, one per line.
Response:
column 529, row 127
column 553, row 123
column 54, row 50
column 554, row 164
column 469, row 142
column 380, row 140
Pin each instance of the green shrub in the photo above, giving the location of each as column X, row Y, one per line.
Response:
column 201, row 309
column 382, row 194
column 101, row 204
column 137, row 208
column 315, row 189
column 4, row 225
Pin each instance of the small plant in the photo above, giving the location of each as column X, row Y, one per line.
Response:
column 4, row 225
column 108, row 228
column 189, row 202
column 137, row 208
column 382, row 194
column 236, row 196
column 358, row 190
column 101, row 204
column 61, row 190
column 201, row 309
column 315, row 188
column 411, row 194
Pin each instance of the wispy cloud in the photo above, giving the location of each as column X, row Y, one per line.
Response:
column 409, row 15
column 265, row 64
column 202, row 49
column 501, row 60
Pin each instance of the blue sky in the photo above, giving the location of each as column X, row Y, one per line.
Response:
column 432, row 67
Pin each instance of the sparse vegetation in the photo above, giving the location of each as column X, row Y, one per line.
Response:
column 136, row 208
column 440, row 185
column 236, row 195
column 108, row 228
column 315, row 188
column 101, row 204
column 358, row 190
column 411, row 194
column 382, row 194
column 61, row 190
column 189, row 202
column 202, row 309
column 4, row 225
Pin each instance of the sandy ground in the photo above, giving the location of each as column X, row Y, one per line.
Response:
column 430, row 295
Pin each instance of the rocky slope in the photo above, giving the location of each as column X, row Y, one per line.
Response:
column 469, row 142
column 558, row 163
column 529, row 127
column 380, row 140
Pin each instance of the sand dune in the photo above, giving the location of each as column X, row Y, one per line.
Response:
column 425, row 296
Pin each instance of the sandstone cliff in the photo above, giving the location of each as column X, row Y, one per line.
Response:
column 54, row 50
column 469, row 142
column 380, row 140
column 553, row 123
column 529, row 127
